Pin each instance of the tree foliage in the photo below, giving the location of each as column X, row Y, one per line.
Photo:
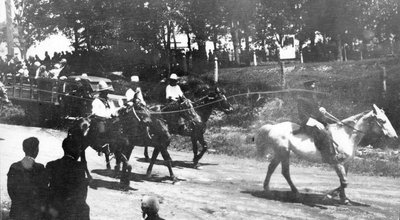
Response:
column 149, row 27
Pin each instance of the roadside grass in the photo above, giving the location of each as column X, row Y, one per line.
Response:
column 346, row 89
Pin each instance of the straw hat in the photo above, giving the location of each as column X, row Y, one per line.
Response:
column 173, row 76
column 104, row 87
column 134, row 78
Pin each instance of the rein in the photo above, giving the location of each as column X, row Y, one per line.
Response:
column 345, row 124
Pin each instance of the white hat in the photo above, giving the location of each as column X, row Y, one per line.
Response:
column 173, row 76
column 37, row 63
column 134, row 78
column 103, row 86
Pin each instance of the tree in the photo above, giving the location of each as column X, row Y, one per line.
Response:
column 29, row 24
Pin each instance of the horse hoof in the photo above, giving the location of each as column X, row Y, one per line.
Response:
column 345, row 201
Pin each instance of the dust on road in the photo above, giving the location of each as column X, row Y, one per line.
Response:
column 225, row 188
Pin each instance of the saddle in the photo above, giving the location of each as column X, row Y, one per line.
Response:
column 323, row 142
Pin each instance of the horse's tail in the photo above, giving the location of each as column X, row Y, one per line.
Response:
column 262, row 140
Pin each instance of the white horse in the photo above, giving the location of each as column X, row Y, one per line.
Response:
column 280, row 138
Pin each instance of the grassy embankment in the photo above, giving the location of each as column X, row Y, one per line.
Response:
column 349, row 88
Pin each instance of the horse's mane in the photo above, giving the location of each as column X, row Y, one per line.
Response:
column 356, row 117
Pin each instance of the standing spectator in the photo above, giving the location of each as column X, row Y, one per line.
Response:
column 47, row 60
column 68, row 184
column 27, row 184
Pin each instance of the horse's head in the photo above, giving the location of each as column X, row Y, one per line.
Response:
column 380, row 124
column 187, row 111
column 139, row 111
column 80, row 128
column 221, row 102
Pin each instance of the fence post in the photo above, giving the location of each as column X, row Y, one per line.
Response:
column 283, row 80
column 216, row 69
column 254, row 58
column 384, row 87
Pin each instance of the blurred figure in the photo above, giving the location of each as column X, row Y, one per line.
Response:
column 42, row 72
column 150, row 207
column 68, row 184
column 134, row 93
column 27, row 184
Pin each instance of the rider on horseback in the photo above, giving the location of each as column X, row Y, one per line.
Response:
column 174, row 94
column 134, row 96
column 134, row 93
column 102, row 112
column 314, row 121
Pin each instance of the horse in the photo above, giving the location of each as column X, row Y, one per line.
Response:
column 156, row 136
column 85, row 131
column 347, row 135
column 204, row 107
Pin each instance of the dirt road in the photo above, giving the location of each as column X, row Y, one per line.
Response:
column 225, row 187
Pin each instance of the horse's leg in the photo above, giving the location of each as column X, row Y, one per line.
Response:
column 203, row 150
column 286, row 172
column 126, row 171
column 168, row 160
column 271, row 168
column 83, row 160
column 146, row 153
column 194, row 147
column 156, row 151
column 341, row 172
column 107, row 156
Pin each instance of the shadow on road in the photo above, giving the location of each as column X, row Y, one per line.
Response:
column 97, row 183
column 177, row 163
column 136, row 177
column 308, row 199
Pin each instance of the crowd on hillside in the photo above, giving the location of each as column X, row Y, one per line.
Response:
column 50, row 67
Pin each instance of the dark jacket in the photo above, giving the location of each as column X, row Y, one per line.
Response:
column 309, row 108
column 28, row 191
column 68, row 188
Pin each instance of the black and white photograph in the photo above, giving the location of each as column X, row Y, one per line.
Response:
column 199, row 109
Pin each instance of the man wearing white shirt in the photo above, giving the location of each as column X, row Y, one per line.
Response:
column 134, row 92
column 173, row 91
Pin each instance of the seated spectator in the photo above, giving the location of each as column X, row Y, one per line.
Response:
column 27, row 184
column 150, row 207
column 68, row 184
column 42, row 72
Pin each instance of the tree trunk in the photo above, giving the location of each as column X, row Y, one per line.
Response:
column 236, row 42
column 248, row 60
column 339, row 48
column 188, row 41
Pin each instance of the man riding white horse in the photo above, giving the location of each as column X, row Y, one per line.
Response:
column 314, row 120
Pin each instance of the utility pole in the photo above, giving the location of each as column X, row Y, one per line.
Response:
column 10, row 38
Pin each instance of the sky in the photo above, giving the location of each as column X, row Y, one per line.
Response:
column 2, row 11
column 54, row 43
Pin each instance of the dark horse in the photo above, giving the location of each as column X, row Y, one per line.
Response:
column 153, row 132
column 86, row 131
column 204, row 107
